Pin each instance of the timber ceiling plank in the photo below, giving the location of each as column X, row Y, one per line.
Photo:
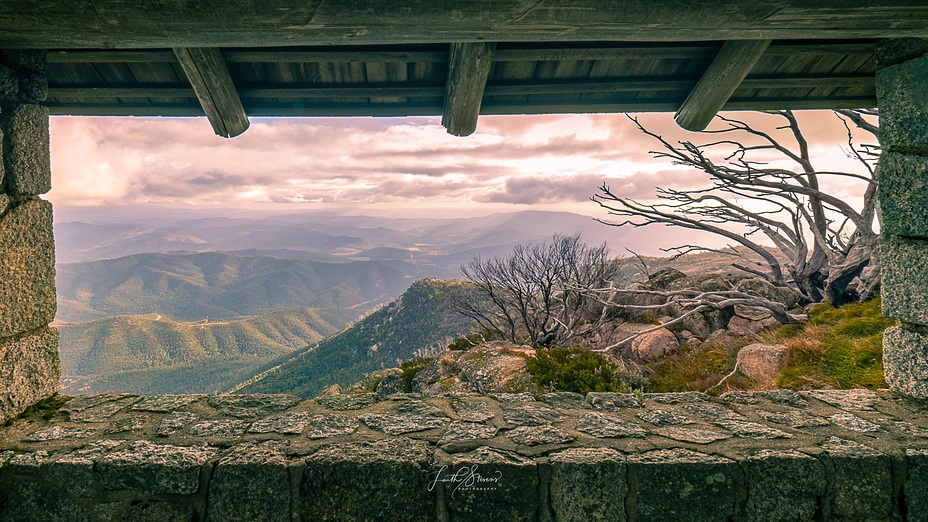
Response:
column 209, row 76
column 468, row 69
column 412, row 79
column 735, row 60
column 41, row 24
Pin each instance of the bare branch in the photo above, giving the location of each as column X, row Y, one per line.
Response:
column 749, row 195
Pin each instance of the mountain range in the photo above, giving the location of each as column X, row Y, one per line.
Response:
column 174, row 301
column 215, row 285
column 437, row 244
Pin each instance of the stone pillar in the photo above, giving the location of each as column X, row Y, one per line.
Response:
column 902, row 91
column 30, row 369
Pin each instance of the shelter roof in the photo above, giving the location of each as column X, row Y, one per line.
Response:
column 237, row 58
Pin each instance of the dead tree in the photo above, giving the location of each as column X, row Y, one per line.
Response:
column 826, row 242
column 688, row 302
column 538, row 293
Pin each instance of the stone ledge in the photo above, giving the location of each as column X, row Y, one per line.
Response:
column 773, row 455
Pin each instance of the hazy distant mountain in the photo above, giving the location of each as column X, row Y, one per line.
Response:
column 221, row 285
column 422, row 320
column 110, row 354
column 318, row 235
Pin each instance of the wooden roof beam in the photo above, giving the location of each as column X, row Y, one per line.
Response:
column 468, row 69
column 121, row 24
column 731, row 65
column 209, row 76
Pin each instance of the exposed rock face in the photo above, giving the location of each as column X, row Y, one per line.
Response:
column 762, row 362
column 483, row 369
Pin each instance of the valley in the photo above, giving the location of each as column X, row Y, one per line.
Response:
column 184, row 302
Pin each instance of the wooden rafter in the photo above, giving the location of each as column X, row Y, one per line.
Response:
column 726, row 72
column 468, row 69
column 209, row 76
column 519, row 87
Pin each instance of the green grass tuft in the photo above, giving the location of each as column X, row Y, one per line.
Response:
column 698, row 369
column 840, row 348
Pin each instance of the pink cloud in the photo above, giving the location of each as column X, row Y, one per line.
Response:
column 514, row 160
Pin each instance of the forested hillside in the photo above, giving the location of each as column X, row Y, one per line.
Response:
column 110, row 354
column 422, row 320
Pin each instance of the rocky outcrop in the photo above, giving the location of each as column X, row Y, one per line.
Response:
column 488, row 368
column 762, row 362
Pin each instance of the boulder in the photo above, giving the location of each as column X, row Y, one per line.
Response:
column 496, row 369
column 654, row 345
column 331, row 390
column 623, row 331
column 762, row 362
column 718, row 319
column 373, row 381
column 428, row 376
column 637, row 299
column 390, row 383
column 762, row 288
column 661, row 279
column 742, row 326
column 752, row 313
column 697, row 325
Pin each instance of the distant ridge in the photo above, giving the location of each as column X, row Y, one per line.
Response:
column 222, row 285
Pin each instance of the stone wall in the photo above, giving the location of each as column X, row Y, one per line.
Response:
column 29, row 364
column 764, row 456
column 902, row 89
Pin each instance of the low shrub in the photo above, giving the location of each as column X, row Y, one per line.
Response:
column 575, row 369
column 411, row 368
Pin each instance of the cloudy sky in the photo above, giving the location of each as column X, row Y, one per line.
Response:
column 396, row 165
